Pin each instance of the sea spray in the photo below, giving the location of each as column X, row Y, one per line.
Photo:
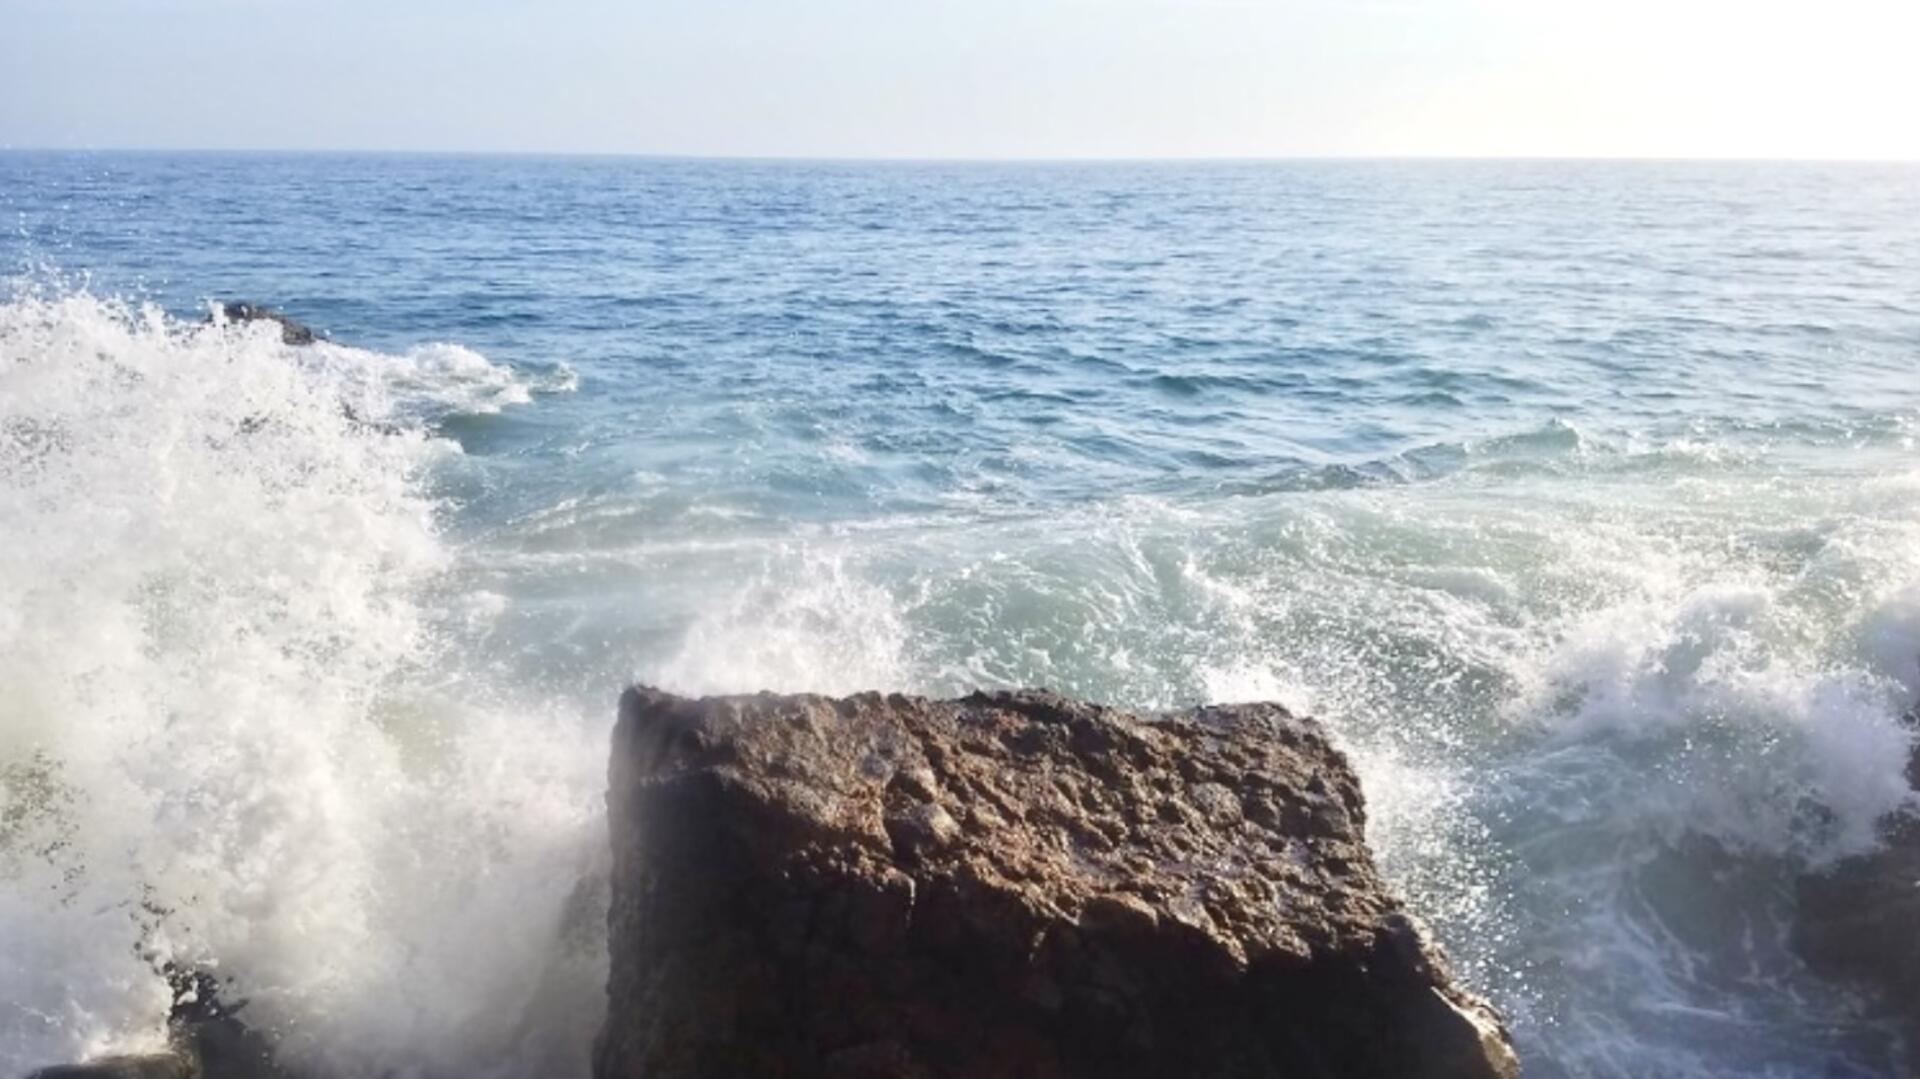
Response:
column 1605, row 710
column 233, row 739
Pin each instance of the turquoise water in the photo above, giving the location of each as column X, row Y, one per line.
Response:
column 1580, row 500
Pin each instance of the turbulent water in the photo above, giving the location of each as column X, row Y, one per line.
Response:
column 1580, row 500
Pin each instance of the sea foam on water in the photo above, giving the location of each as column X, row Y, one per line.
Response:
column 266, row 715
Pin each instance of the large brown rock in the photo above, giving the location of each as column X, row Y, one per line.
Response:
column 1014, row 885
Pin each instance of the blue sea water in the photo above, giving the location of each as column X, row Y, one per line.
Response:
column 1579, row 499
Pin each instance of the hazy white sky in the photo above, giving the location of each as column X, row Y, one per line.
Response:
column 971, row 78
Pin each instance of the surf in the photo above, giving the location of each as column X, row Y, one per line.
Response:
column 235, row 739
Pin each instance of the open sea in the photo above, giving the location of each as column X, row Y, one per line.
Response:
column 1580, row 500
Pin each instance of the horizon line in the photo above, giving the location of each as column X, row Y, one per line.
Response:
column 909, row 159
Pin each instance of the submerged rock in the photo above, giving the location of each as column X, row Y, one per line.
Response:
column 1859, row 920
column 1008, row 885
column 291, row 331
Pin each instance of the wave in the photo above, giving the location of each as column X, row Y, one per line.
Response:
column 1601, row 725
column 1558, row 450
column 236, row 737
column 1607, row 693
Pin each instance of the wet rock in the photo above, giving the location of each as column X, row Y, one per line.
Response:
column 1014, row 884
column 291, row 331
column 153, row 1066
column 209, row 1041
column 1859, row 920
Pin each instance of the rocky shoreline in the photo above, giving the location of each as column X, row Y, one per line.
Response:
column 1015, row 884
column 1021, row 884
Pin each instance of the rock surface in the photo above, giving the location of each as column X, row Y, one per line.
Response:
column 291, row 331
column 1859, row 921
column 1014, row 885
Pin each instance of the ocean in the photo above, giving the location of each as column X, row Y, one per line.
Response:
column 1580, row 500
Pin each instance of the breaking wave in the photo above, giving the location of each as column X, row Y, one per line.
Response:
column 233, row 735
column 1608, row 693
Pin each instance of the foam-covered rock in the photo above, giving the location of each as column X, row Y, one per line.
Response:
column 292, row 331
column 1859, row 920
column 175, row 1065
column 208, row 1041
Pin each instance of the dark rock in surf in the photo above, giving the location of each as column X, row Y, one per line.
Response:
column 207, row 1021
column 1859, row 920
column 151, row 1066
column 291, row 331
column 1013, row 884
column 208, row 1041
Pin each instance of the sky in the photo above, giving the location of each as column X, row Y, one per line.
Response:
column 970, row 78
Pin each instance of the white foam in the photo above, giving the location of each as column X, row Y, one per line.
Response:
column 219, row 744
column 802, row 620
column 1736, row 662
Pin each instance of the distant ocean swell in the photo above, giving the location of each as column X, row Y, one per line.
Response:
column 1608, row 690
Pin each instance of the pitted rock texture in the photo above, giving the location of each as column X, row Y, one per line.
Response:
column 1007, row 885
